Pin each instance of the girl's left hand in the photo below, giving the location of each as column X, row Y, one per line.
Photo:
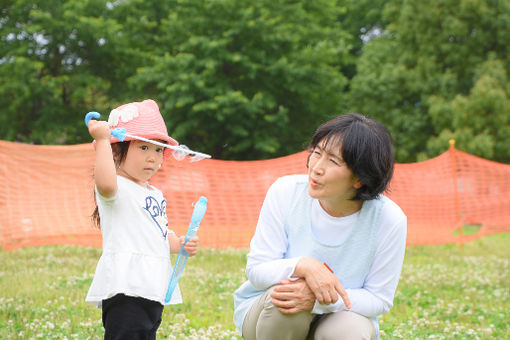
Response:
column 192, row 246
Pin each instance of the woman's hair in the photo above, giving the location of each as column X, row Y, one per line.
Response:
column 366, row 148
column 119, row 155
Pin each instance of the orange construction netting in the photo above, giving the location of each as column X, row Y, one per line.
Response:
column 46, row 195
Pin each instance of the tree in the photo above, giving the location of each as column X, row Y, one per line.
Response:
column 58, row 64
column 247, row 80
column 479, row 121
column 430, row 59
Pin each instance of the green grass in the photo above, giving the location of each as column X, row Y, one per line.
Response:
column 445, row 292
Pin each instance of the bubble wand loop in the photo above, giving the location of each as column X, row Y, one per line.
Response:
column 182, row 257
column 120, row 134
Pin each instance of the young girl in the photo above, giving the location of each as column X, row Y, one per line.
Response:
column 133, row 272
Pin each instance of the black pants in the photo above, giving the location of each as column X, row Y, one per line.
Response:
column 133, row 318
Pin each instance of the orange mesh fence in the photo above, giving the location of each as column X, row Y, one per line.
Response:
column 46, row 195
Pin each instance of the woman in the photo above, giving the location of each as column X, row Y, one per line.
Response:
column 327, row 253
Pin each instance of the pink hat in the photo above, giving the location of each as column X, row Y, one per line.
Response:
column 141, row 119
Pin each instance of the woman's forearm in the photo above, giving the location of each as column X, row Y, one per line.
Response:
column 266, row 274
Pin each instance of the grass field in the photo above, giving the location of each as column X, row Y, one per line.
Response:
column 445, row 292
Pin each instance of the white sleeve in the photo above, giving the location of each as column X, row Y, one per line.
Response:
column 376, row 295
column 266, row 265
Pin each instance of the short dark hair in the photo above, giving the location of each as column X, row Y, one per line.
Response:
column 366, row 148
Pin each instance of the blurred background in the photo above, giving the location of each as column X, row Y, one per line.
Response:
column 251, row 80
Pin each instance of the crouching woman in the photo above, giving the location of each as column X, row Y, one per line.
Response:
column 328, row 249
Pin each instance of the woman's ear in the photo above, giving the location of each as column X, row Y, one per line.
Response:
column 357, row 183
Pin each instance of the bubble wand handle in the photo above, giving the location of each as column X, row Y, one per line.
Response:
column 182, row 257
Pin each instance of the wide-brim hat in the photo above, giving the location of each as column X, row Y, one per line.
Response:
column 141, row 119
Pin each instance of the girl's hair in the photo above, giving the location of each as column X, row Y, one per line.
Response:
column 366, row 148
column 119, row 155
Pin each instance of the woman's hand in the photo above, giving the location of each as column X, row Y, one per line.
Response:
column 323, row 283
column 192, row 246
column 292, row 297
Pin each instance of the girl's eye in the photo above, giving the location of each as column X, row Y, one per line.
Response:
column 144, row 147
column 334, row 161
column 316, row 153
column 159, row 150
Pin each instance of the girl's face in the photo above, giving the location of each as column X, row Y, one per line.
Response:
column 331, row 181
column 142, row 161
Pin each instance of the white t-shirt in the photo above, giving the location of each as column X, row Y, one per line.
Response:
column 136, row 253
column 266, row 266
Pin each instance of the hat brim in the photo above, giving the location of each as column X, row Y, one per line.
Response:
column 153, row 136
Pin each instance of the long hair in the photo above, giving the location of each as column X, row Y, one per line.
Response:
column 119, row 151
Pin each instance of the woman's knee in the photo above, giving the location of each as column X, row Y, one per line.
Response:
column 272, row 317
column 345, row 325
column 265, row 321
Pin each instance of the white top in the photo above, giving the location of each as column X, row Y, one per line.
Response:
column 266, row 265
column 136, row 253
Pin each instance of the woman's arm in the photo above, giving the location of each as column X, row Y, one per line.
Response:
column 376, row 295
column 266, row 265
column 321, row 280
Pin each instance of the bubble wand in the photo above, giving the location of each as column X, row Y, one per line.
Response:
column 182, row 257
column 180, row 151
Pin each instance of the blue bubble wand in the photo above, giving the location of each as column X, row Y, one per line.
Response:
column 182, row 257
column 180, row 151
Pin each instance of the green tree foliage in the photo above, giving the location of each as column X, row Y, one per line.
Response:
column 431, row 75
column 252, row 79
column 247, row 79
column 479, row 121
column 56, row 65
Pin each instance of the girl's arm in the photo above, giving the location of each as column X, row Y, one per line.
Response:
column 105, row 174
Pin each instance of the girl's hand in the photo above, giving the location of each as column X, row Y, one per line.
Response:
column 192, row 246
column 292, row 297
column 323, row 283
column 99, row 130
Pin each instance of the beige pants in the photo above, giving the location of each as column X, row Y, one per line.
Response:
column 264, row 322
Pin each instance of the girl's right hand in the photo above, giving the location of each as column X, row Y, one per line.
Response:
column 323, row 283
column 191, row 246
column 99, row 130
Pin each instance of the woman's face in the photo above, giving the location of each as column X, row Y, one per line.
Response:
column 330, row 179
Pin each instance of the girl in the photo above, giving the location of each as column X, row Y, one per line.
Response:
column 327, row 253
column 133, row 272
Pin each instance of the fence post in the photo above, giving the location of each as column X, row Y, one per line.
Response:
column 456, row 192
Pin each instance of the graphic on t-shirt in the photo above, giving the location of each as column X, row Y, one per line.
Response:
column 158, row 213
